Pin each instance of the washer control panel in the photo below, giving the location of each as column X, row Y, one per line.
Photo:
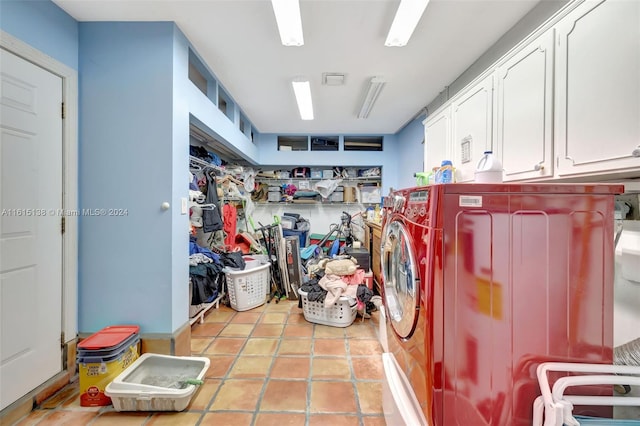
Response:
column 418, row 207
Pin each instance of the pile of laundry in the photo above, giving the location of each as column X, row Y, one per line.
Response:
column 205, row 271
column 340, row 276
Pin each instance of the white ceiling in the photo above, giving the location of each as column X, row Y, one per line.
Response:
column 239, row 41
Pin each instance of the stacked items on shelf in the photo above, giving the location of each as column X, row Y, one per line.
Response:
column 336, row 292
column 309, row 185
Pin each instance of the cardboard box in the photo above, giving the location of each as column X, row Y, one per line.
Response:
column 349, row 194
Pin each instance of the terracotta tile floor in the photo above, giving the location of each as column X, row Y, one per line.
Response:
column 269, row 366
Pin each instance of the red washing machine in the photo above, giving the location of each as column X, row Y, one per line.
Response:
column 481, row 283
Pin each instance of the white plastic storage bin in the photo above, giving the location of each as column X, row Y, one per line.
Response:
column 274, row 197
column 370, row 194
column 340, row 314
column 337, row 195
column 248, row 288
column 157, row 382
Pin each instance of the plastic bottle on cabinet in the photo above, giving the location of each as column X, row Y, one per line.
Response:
column 445, row 172
column 432, row 176
column 489, row 169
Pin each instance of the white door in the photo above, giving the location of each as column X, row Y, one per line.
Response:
column 30, row 227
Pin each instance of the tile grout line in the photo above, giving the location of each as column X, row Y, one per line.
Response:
column 268, row 375
column 353, row 380
column 226, row 375
column 310, row 376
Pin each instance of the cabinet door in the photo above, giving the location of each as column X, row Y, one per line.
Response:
column 598, row 88
column 437, row 137
column 524, row 108
column 471, row 120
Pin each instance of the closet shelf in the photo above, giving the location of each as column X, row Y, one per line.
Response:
column 310, row 203
column 202, row 163
column 347, row 180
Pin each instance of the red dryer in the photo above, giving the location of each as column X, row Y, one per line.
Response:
column 481, row 283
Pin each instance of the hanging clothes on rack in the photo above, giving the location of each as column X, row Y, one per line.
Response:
column 230, row 216
column 212, row 219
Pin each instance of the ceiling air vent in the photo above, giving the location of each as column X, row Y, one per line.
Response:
column 333, row 78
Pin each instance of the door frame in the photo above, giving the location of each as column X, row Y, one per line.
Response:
column 69, row 325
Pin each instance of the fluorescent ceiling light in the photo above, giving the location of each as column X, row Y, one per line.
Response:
column 407, row 16
column 375, row 87
column 289, row 21
column 302, row 90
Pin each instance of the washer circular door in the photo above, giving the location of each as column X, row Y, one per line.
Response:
column 400, row 278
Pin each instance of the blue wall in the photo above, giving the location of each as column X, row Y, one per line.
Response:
column 43, row 25
column 410, row 152
column 182, row 90
column 126, row 161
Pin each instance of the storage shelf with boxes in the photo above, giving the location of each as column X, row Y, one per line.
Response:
column 320, row 185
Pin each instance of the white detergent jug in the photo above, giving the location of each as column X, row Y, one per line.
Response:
column 489, row 169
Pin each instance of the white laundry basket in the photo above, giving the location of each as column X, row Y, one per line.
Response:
column 248, row 288
column 341, row 314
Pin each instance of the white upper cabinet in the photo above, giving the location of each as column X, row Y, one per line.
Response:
column 471, row 117
column 524, row 111
column 437, row 139
column 598, row 88
column 565, row 105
